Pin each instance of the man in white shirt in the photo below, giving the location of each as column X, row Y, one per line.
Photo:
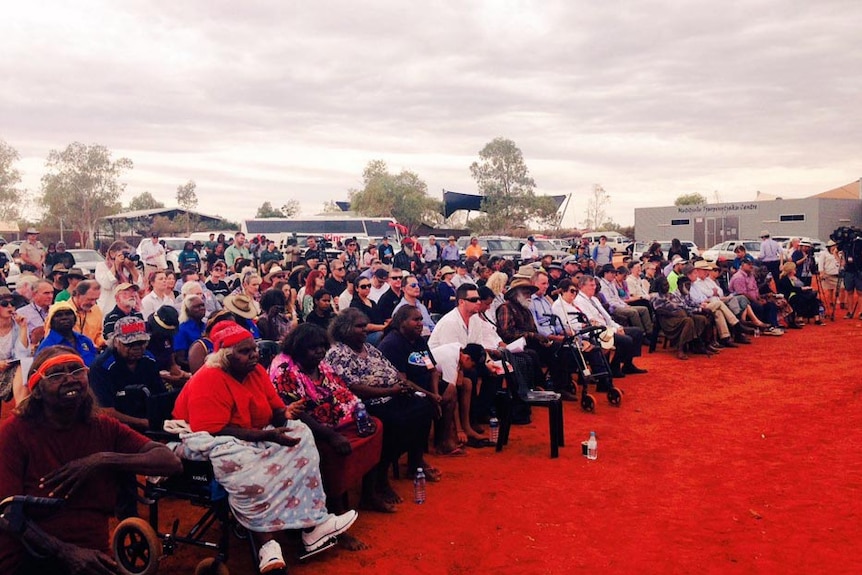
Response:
column 701, row 294
column 627, row 340
column 529, row 251
column 770, row 254
column 461, row 276
column 431, row 250
column 153, row 254
column 452, row 361
column 452, row 327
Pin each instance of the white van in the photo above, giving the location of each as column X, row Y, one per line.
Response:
column 616, row 240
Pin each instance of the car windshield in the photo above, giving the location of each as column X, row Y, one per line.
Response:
column 546, row 246
column 751, row 246
column 176, row 244
column 87, row 256
column 502, row 245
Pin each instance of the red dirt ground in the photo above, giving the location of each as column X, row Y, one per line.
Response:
column 748, row 462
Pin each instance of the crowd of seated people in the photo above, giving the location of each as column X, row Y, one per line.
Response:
column 416, row 335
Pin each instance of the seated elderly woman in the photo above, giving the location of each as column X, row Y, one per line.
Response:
column 406, row 417
column 240, row 424
column 801, row 298
column 681, row 320
column 58, row 445
column 302, row 377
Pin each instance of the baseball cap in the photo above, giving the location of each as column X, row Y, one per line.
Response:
column 128, row 330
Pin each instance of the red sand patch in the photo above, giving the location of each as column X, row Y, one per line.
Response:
column 745, row 463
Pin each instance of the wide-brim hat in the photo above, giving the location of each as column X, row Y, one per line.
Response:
column 31, row 231
column 240, row 305
column 805, row 243
column 606, row 339
column 76, row 273
column 704, row 265
column 764, row 234
column 830, row 243
column 446, row 270
column 59, row 269
column 273, row 271
column 520, row 283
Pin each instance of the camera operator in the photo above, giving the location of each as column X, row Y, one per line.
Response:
column 118, row 268
column 849, row 242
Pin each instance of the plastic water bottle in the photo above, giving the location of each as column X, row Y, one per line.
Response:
column 494, row 429
column 419, row 486
column 363, row 421
column 592, row 446
column 757, row 332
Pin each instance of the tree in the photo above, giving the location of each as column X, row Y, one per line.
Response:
column 402, row 196
column 291, row 209
column 596, row 207
column 690, row 199
column 10, row 194
column 144, row 201
column 82, row 185
column 330, row 207
column 187, row 199
column 503, row 178
column 267, row 211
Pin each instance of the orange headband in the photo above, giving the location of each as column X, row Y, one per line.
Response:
column 56, row 360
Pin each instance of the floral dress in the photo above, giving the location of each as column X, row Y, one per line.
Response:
column 329, row 401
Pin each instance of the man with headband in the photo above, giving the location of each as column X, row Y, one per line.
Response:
column 57, row 445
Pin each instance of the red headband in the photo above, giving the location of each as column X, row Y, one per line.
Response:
column 56, row 360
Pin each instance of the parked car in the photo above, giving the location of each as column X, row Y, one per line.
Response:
column 546, row 247
column 86, row 260
column 13, row 270
column 816, row 244
column 725, row 250
column 504, row 247
column 641, row 247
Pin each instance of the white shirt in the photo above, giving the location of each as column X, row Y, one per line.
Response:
column 592, row 308
column 700, row 291
column 446, row 358
column 612, row 296
column 563, row 311
column 459, row 279
column 153, row 254
column 480, row 330
column 152, row 302
column 375, row 293
column 450, row 329
column 344, row 300
column 529, row 252
column 638, row 288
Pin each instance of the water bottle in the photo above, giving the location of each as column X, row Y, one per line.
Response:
column 419, row 486
column 494, row 429
column 756, row 332
column 822, row 311
column 592, row 446
column 363, row 421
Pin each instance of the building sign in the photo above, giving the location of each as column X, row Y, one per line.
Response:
column 717, row 208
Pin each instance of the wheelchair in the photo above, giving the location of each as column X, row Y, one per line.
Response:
column 598, row 373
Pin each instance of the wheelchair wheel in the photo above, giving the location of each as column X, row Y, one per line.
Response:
column 136, row 547
column 588, row 402
column 615, row 397
column 211, row 566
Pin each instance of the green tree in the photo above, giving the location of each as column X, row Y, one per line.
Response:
column 510, row 200
column 267, row 211
column 402, row 196
column 597, row 204
column 10, row 178
column 144, row 201
column 692, row 199
column 291, row 209
column 82, row 185
column 187, row 199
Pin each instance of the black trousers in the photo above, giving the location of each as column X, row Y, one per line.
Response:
column 628, row 346
column 406, row 427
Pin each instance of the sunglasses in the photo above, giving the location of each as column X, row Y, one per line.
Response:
column 413, row 284
column 573, row 290
column 6, row 303
column 364, row 286
column 398, row 278
column 476, row 299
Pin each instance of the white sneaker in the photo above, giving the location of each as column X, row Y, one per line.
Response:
column 270, row 557
column 327, row 529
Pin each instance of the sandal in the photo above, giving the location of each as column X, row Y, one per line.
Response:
column 457, row 452
column 432, row 474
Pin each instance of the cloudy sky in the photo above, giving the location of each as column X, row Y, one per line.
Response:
column 272, row 100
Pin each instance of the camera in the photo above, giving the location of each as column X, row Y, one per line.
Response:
column 132, row 257
column 849, row 241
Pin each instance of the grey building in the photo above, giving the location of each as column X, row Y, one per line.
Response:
column 709, row 224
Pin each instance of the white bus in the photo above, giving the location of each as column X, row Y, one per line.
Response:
column 332, row 228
